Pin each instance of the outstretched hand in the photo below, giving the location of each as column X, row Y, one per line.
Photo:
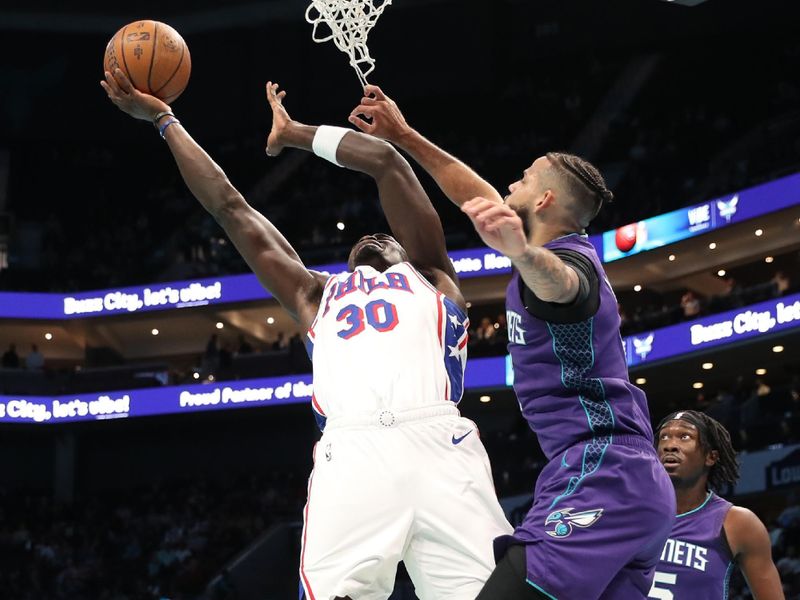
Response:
column 498, row 225
column 388, row 122
column 130, row 100
column 280, row 119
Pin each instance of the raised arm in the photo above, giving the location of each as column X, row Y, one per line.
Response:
column 459, row 182
column 412, row 218
column 750, row 545
column 263, row 247
column 500, row 227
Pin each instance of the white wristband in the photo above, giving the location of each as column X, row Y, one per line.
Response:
column 326, row 142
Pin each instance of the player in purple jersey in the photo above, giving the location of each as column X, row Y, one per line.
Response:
column 710, row 535
column 603, row 505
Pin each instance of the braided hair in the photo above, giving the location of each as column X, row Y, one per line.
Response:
column 712, row 436
column 584, row 184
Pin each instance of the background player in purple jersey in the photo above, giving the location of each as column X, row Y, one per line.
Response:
column 374, row 505
column 603, row 505
column 710, row 535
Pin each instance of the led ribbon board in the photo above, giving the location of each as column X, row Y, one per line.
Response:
column 181, row 399
column 696, row 220
column 746, row 323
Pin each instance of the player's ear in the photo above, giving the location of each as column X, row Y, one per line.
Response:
column 712, row 457
column 545, row 200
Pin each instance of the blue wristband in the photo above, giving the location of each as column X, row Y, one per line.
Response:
column 163, row 129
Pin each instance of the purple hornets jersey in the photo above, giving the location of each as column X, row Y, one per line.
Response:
column 571, row 379
column 696, row 561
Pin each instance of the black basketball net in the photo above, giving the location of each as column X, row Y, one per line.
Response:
column 347, row 23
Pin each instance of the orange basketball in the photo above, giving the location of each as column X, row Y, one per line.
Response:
column 153, row 56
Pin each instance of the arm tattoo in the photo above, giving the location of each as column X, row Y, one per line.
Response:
column 546, row 275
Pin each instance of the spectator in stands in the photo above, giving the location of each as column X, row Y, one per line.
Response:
column 225, row 358
column 35, row 360
column 486, row 331
column 244, row 346
column 781, row 283
column 790, row 424
column 11, row 358
column 501, row 328
column 731, row 292
column 281, row 343
column 789, row 565
column 690, row 305
column 210, row 361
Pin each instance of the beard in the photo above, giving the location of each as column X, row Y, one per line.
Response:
column 524, row 214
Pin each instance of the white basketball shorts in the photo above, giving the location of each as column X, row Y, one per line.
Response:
column 414, row 486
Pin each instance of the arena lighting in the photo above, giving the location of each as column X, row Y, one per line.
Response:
column 270, row 320
column 768, row 260
column 708, row 366
column 721, row 272
column 671, row 257
column 759, row 232
column 154, row 331
column 220, row 325
column 195, row 375
column 485, row 399
column 48, row 336
column 340, row 226
column 777, row 349
column 761, row 371
column 712, row 246
column 698, row 385
column 641, row 381
column 469, row 304
column 637, row 288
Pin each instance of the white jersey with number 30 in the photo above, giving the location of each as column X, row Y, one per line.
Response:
column 385, row 341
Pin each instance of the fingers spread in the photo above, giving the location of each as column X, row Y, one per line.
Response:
column 363, row 109
column 362, row 124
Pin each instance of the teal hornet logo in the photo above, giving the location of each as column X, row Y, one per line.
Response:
column 565, row 519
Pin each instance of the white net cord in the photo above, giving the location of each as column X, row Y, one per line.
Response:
column 349, row 22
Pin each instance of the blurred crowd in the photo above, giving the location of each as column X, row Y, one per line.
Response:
column 652, row 310
column 163, row 541
column 168, row 541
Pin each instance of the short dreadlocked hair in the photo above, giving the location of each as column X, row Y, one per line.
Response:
column 712, row 436
column 584, row 184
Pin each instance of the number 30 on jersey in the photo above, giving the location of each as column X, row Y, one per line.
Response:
column 378, row 314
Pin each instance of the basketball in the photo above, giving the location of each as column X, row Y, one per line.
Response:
column 153, row 56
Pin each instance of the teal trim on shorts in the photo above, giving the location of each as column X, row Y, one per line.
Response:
column 541, row 590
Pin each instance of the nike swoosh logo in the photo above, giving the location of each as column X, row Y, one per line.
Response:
column 458, row 440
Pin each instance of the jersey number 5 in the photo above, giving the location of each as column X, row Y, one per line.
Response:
column 659, row 592
column 379, row 314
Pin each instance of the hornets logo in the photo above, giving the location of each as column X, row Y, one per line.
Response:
column 564, row 520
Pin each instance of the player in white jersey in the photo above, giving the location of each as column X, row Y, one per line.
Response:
column 398, row 474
